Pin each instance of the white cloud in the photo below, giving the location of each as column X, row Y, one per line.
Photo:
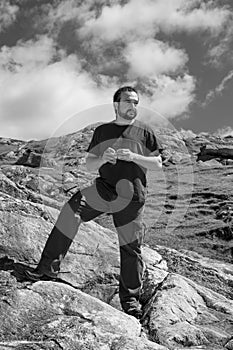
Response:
column 98, row 22
column 40, row 86
column 139, row 19
column 171, row 97
column 65, row 11
column 28, row 55
column 212, row 94
column 77, row 12
column 133, row 20
column 8, row 13
column 135, row 25
column 221, row 51
column 204, row 18
column 38, row 95
column 152, row 57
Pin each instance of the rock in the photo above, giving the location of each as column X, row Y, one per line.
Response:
column 211, row 273
column 82, row 160
column 43, row 186
column 34, row 160
column 210, row 163
column 229, row 345
column 177, row 310
column 42, row 199
column 155, row 273
column 208, row 152
column 16, row 172
column 52, row 310
column 185, row 314
column 119, row 343
column 4, row 140
column 228, row 162
column 29, row 345
column 225, row 213
column 186, row 296
column 11, row 155
column 22, row 229
column 68, row 177
column 9, row 187
column 69, row 184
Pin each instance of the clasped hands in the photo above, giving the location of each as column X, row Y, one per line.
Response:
column 111, row 155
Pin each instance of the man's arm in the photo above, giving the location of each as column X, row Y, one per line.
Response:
column 94, row 162
column 150, row 162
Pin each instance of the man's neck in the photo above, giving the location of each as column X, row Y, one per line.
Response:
column 121, row 121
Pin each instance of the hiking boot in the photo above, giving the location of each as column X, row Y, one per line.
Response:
column 132, row 308
column 45, row 270
column 134, row 311
column 37, row 275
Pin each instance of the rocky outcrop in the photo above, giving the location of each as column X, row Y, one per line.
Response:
column 187, row 289
column 57, row 315
column 34, row 160
column 208, row 152
column 61, row 314
column 82, row 309
column 210, row 273
column 183, row 313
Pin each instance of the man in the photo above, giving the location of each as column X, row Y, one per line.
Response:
column 121, row 150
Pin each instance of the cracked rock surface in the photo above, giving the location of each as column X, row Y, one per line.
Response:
column 187, row 293
column 82, row 309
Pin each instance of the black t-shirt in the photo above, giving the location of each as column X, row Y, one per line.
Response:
column 140, row 139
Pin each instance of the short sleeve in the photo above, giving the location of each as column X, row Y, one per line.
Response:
column 153, row 144
column 94, row 146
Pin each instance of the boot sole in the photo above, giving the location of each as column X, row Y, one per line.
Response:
column 33, row 277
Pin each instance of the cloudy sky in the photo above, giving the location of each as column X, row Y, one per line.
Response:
column 62, row 60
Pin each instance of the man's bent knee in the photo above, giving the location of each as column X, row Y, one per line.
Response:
column 74, row 201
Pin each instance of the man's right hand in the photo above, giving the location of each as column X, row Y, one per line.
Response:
column 110, row 155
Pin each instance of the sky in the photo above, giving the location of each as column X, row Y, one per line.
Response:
column 62, row 60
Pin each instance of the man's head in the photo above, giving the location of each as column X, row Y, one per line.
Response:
column 125, row 102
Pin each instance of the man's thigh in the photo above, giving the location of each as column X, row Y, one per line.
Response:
column 129, row 223
column 92, row 202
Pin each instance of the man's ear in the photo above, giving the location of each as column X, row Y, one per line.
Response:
column 115, row 106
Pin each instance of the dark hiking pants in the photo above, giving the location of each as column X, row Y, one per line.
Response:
column 86, row 205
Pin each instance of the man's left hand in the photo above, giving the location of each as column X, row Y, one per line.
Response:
column 125, row 154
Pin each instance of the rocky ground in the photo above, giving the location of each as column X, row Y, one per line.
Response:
column 188, row 284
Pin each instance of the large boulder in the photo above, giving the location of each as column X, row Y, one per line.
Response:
column 210, row 273
column 63, row 317
column 208, row 152
column 34, row 160
column 185, row 314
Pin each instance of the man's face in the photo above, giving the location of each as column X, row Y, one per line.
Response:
column 127, row 107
